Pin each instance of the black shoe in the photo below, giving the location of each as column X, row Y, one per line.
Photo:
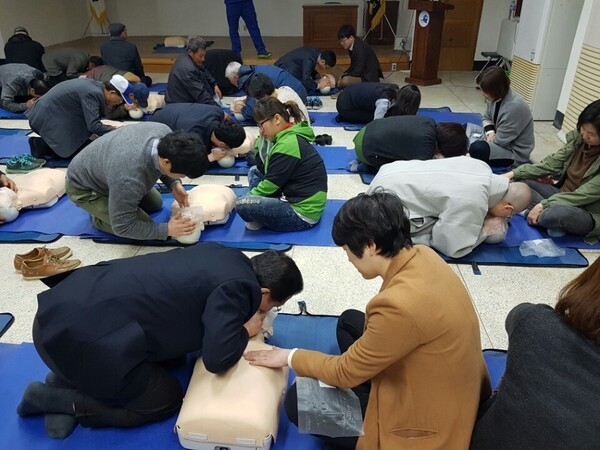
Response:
column 38, row 147
column 323, row 139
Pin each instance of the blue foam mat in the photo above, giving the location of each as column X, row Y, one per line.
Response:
column 65, row 218
column 444, row 114
column 6, row 114
column 18, row 144
column 13, row 131
column 27, row 236
column 158, row 87
column 21, row 365
column 495, row 360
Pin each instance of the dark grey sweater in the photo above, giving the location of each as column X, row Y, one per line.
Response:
column 549, row 397
column 120, row 165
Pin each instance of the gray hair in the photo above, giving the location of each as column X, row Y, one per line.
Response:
column 196, row 43
column 232, row 69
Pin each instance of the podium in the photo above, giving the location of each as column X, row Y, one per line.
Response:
column 427, row 41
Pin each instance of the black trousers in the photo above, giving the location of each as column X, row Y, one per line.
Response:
column 349, row 328
column 158, row 395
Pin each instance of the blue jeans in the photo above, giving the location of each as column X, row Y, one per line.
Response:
column 245, row 10
column 271, row 212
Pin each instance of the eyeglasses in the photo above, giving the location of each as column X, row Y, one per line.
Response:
column 261, row 124
column 342, row 40
column 276, row 308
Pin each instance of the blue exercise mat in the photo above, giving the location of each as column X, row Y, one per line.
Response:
column 495, row 360
column 65, row 218
column 28, row 236
column 161, row 48
column 6, row 114
column 158, row 87
column 443, row 114
column 22, row 365
column 18, row 144
column 13, row 131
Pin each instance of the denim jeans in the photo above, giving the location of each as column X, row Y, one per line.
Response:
column 271, row 212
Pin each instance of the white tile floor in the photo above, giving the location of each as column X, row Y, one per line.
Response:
column 331, row 283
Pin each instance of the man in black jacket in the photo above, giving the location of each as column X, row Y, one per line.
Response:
column 20, row 48
column 364, row 65
column 105, row 330
column 307, row 64
column 123, row 55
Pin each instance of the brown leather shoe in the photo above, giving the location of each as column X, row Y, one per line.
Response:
column 34, row 269
column 41, row 253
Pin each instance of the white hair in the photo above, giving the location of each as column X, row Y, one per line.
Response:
column 232, row 69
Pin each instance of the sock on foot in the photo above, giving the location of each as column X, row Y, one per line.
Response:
column 59, row 426
column 39, row 398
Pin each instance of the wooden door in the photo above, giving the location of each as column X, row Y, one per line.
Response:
column 459, row 39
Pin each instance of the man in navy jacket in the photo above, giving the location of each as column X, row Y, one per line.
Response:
column 105, row 331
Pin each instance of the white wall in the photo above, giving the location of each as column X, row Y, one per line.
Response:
column 587, row 32
column 48, row 21
column 489, row 28
column 207, row 17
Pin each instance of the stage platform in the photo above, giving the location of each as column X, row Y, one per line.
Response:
column 161, row 62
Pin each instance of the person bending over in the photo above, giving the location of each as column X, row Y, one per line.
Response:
column 308, row 64
column 20, row 87
column 107, row 331
column 404, row 138
column 419, row 376
column 113, row 179
column 571, row 205
column 288, row 186
column 455, row 204
column 364, row 102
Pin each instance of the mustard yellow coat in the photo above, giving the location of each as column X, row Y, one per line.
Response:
column 421, row 349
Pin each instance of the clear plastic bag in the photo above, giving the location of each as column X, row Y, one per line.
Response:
column 541, row 248
column 327, row 410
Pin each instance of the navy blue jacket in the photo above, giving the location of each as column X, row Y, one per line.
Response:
column 103, row 321
column 119, row 53
column 356, row 103
column 301, row 63
column 193, row 117
column 190, row 83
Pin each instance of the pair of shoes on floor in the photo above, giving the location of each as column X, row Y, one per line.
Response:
column 265, row 55
column 313, row 103
column 42, row 262
column 24, row 163
column 323, row 139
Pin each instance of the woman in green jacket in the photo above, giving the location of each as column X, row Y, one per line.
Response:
column 288, row 186
column 572, row 204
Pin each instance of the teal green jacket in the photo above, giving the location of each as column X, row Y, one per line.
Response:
column 294, row 169
column 586, row 196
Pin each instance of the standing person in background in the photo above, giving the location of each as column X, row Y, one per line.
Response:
column 121, row 54
column 507, row 123
column 364, row 65
column 20, row 48
column 244, row 9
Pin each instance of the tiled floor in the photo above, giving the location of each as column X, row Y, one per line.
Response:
column 331, row 283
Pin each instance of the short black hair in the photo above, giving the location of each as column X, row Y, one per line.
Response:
column 259, row 86
column 40, row 87
column 346, row 31
column 378, row 218
column 186, row 152
column 279, row 273
column 231, row 133
column 96, row 60
column 494, row 82
column 451, row 139
column 329, row 57
column 590, row 114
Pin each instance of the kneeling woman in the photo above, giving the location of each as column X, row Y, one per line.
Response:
column 288, row 186
column 572, row 205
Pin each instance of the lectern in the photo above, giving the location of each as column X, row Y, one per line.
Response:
column 427, row 41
